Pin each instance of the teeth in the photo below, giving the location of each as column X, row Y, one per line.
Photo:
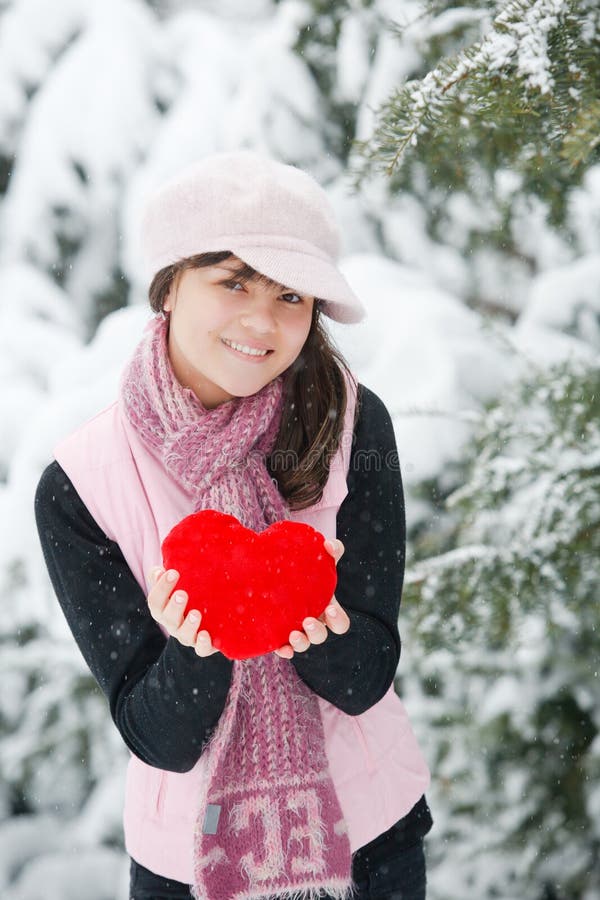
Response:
column 243, row 349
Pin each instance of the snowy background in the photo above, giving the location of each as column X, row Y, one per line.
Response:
column 98, row 102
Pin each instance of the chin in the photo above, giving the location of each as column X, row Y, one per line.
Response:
column 245, row 387
column 248, row 390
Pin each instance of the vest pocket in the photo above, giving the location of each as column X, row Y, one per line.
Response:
column 160, row 789
column 363, row 744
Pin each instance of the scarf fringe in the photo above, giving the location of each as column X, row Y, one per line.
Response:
column 336, row 889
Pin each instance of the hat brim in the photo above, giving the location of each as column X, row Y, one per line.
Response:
column 307, row 274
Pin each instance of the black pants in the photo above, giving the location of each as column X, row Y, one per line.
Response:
column 385, row 869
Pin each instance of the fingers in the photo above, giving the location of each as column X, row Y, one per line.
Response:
column 204, row 645
column 160, row 593
column 335, row 548
column 168, row 607
column 299, row 641
column 187, row 632
column 336, row 618
column 314, row 632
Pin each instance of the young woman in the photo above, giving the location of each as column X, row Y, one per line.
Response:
column 294, row 773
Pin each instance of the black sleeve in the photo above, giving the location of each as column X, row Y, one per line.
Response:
column 164, row 699
column 354, row 670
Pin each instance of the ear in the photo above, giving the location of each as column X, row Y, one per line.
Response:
column 169, row 300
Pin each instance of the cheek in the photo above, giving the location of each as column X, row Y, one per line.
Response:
column 299, row 332
column 194, row 323
column 303, row 334
column 293, row 347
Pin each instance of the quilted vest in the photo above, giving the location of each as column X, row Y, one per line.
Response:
column 376, row 766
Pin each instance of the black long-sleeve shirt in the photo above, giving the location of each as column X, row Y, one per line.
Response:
column 166, row 700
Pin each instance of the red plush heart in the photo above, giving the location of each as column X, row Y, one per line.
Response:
column 251, row 588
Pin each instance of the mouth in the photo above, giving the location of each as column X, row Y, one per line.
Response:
column 243, row 351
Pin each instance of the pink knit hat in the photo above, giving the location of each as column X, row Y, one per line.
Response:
column 274, row 217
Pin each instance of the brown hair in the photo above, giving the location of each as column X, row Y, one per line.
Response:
column 314, row 394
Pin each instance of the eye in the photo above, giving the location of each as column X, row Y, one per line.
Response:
column 292, row 298
column 232, row 285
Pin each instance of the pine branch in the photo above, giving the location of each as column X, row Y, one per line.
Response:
column 514, row 87
column 584, row 135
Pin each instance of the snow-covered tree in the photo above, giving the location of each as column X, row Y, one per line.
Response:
column 99, row 101
column 494, row 140
column 492, row 134
column 508, row 620
column 75, row 122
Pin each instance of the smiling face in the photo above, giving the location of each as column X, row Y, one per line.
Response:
column 229, row 339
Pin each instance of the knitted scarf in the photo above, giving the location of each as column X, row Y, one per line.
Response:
column 269, row 822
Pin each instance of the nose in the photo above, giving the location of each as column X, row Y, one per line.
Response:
column 259, row 316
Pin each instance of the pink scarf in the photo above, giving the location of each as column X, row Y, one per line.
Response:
column 269, row 822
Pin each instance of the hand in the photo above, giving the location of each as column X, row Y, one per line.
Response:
column 315, row 630
column 167, row 607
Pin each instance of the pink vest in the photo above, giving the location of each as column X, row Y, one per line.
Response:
column 375, row 762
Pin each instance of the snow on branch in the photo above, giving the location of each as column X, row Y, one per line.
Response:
column 516, row 50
